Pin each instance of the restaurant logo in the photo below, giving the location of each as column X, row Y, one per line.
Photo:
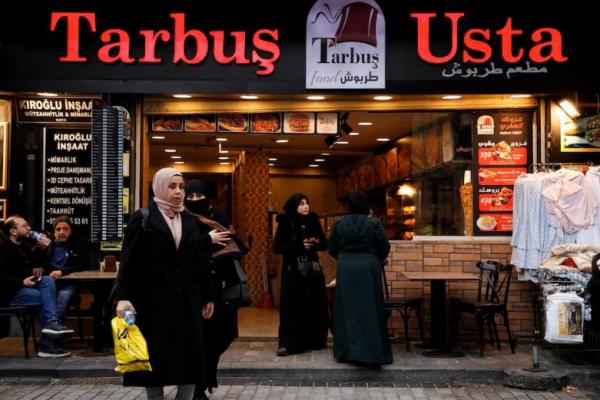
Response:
column 345, row 45
column 478, row 57
column 485, row 125
column 189, row 46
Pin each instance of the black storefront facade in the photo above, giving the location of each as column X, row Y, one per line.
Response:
column 126, row 54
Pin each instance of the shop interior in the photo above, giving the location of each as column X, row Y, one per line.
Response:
column 432, row 138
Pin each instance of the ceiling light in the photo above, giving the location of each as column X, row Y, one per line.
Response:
column 182, row 96
column 248, row 97
column 325, row 154
column 354, row 133
column 319, row 160
column 451, row 97
column 382, row 98
column 223, row 158
column 383, row 139
column 223, row 163
column 224, row 151
column 158, row 137
column 365, row 123
column 271, row 165
column 315, row 97
column 520, row 96
column 272, row 159
column 178, row 162
column 170, row 151
column 221, row 139
column 175, row 157
column 342, row 142
column 569, row 108
column 281, row 141
column 406, row 190
column 313, row 165
column 47, row 94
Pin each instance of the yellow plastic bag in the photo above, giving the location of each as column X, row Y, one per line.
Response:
column 131, row 351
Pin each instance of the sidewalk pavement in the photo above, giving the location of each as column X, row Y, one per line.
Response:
column 254, row 361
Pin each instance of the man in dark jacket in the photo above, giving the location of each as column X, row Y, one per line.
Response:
column 66, row 254
column 20, row 286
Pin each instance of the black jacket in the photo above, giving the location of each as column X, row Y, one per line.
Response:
column 291, row 232
column 16, row 264
column 168, row 288
column 81, row 256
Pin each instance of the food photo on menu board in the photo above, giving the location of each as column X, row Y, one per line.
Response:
column 499, row 176
column 299, row 123
column 266, row 123
column 201, row 123
column 233, row 122
column 327, row 123
column 495, row 222
column 502, row 153
column 167, row 123
column 495, row 199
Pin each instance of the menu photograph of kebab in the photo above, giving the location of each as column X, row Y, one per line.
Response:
column 167, row 123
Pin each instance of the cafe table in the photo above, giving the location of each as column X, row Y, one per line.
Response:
column 438, row 326
column 100, row 283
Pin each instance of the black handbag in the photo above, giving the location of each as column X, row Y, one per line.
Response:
column 238, row 294
column 308, row 267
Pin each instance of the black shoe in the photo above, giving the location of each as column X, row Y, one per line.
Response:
column 199, row 394
column 50, row 351
column 282, row 352
column 55, row 328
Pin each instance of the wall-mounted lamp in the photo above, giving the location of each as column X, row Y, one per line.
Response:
column 406, row 190
column 569, row 108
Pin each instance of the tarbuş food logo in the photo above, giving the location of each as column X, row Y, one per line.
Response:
column 345, row 45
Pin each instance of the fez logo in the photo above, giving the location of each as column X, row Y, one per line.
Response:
column 186, row 45
column 505, row 50
column 345, row 45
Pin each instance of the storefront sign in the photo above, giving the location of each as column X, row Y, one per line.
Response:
column 501, row 141
column 114, row 45
column 107, row 169
column 520, row 52
column 345, row 45
column 67, row 177
column 39, row 110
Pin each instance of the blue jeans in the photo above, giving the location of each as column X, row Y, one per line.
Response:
column 66, row 292
column 44, row 294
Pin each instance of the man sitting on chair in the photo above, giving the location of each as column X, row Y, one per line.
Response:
column 22, row 283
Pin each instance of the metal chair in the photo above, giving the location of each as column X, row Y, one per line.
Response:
column 26, row 315
column 405, row 307
column 492, row 299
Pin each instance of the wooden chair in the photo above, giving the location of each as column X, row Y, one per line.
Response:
column 405, row 307
column 492, row 299
column 26, row 315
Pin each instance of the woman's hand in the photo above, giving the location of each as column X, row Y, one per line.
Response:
column 122, row 306
column 208, row 310
column 220, row 238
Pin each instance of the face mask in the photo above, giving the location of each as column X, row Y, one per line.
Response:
column 197, row 206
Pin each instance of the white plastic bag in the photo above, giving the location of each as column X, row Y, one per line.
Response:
column 564, row 318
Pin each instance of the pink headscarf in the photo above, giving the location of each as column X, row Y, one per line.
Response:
column 160, row 186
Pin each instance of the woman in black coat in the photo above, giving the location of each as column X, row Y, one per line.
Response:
column 222, row 329
column 303, row 316
column 164, row 279
column 360, row 246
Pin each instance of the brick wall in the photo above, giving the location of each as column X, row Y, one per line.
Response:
column 456, row 256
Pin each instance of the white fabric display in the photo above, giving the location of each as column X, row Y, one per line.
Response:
column 591, row 235
column 564, row 318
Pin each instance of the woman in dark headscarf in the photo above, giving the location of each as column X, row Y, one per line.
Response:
column 222, row 328
column 360, row 246
column 164, row 279
column 303, row 316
